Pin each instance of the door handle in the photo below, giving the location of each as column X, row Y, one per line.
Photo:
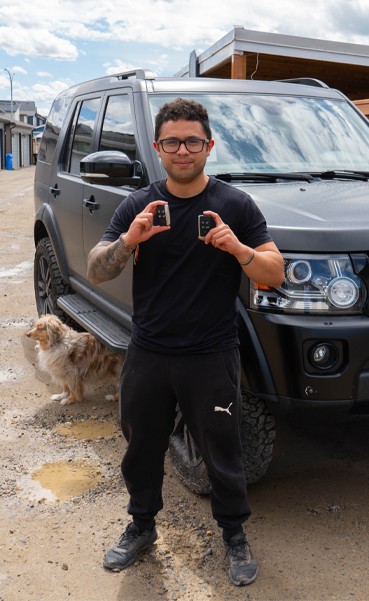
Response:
column 54, row 190
column 90, row 204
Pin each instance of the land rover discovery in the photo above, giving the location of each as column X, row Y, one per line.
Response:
column 302, row 151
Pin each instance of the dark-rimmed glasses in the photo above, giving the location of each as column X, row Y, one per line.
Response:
column 172, row 145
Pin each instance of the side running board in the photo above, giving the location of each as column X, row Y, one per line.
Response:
column 94, row 321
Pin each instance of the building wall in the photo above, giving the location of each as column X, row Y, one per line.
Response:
column 18, row 142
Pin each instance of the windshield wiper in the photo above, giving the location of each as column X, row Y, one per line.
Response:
column 264, row 177
column 342, row 174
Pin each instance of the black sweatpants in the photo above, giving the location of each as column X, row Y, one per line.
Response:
column 207, row 389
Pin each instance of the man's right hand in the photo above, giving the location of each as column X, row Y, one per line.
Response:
column 108, row 259
column 142, row 227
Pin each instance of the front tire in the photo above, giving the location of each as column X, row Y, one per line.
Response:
column 257, row 436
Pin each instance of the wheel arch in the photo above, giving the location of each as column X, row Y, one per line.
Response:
column 46, row 227
column 255, row 373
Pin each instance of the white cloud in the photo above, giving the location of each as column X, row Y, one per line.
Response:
column 148, row 34
column 118, row 66
column 159, row 64
column 46, row 92
column 18, row 69
column 4, row 81
column 171, row 24
column 37, row 42
column 42, row 93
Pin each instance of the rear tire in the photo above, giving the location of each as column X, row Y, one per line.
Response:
column 48, row 282
column 186, row 459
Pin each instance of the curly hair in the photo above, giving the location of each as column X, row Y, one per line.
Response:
column 182, row 108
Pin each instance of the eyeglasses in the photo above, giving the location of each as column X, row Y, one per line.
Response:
column 172, row 145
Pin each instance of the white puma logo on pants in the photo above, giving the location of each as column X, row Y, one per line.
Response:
column 226, row 409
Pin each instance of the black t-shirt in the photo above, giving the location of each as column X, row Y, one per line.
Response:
column 184, row 291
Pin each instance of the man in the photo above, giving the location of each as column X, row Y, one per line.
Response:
column 184, row 345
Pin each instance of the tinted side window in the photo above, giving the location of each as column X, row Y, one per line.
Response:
column 82, row 133
column 53, row 126
column 117, row 131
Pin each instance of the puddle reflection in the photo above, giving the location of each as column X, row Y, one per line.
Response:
column 63, row 480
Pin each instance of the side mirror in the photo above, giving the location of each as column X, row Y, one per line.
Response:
column 110, row 168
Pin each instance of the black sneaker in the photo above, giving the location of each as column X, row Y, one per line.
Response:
column 131, row 543
column 243, row 568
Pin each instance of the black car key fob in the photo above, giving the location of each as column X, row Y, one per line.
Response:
column 206, row 223
column 162, row 215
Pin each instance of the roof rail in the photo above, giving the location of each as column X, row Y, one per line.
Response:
column 306, row 81
column 137, row 73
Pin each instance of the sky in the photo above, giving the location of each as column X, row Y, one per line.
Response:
column 49, row 45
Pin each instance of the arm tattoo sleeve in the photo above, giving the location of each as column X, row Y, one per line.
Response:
column 109, row 264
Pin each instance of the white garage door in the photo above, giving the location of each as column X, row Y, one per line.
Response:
column 15, row 150
column 26, row 155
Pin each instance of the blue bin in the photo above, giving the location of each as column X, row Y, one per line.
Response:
column 9, row 161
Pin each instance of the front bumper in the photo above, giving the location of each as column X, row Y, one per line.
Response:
column 287, row 341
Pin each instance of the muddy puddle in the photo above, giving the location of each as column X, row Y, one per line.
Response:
column 63, row 480
column 87, row 430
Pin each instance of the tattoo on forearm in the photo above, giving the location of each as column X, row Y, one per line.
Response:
column 109, row 264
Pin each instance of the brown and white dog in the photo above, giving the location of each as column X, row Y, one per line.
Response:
column 73, row 359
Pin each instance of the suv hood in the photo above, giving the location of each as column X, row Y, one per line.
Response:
column 322, row 216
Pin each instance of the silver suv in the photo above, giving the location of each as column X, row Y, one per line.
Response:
column 302, row 151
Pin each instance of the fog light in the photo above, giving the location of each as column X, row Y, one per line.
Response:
column 324, row 355
column 342, row 292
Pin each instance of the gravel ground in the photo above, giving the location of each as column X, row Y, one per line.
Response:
column 62, row 500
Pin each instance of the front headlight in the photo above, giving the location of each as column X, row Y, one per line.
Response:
column 313, row 284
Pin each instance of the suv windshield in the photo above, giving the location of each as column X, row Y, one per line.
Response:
column 282, row 134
